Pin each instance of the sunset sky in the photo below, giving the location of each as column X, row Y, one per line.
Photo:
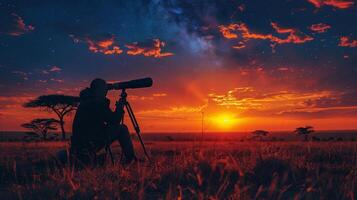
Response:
column 238, row 65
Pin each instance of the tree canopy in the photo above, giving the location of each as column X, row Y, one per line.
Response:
column 260, row 134
column 41, row 126
column 59, row 104
column 305, row 131
column 62, row 103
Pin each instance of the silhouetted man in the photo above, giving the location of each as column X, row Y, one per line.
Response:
column 95, row 125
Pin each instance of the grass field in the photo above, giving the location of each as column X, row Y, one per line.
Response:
column 187, row 170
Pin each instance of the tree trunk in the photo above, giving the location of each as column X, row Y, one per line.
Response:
column 44, row 135
column 306, row 137
column 62, row 129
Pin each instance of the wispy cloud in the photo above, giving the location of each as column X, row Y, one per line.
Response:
column 104, row 45
column 283, row 69
column 240, row 45
column 57, row 80
column 152, row 49
column 249, row 99
column 292, row 35
column 347, row 42
column 159, row 94
column 23, row 75
column 16, row 26
column 54, row 69
column 320, row 27
column 340, row 4
column 251, row 102
column 295, row 35
column 228, row 31
column 12, row 102
column 109, row 46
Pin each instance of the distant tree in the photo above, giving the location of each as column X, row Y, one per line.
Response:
column 316, row 138
column 61, row 105
column 305, row 131
column 41, row 127
column 260, row 134
column 169, row 138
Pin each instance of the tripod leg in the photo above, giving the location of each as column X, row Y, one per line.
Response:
column 109, row 150
column 136, row 127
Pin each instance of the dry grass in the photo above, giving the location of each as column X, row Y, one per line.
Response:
column 188, row 170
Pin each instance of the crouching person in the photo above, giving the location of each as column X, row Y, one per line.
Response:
column 95, row 126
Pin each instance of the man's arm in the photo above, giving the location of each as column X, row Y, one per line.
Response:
column 109, row 115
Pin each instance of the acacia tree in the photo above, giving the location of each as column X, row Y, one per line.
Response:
column 61, row 105
column 260, row 133
column 305, row 131
column 41, row 126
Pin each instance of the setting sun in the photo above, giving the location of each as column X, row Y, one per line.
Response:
column 224, row 120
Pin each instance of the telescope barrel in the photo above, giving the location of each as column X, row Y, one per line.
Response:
column 137, row 83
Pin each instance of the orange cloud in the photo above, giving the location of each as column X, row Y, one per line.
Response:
column 19, row 27
column 320, row 27
column 340, row 4
column 242, row 46
column 159, row 95
column 227, row 31
column 347, row 42
column 153, row 50
column 105, row 45
column 294, row 35
column 243, row 28
column 247, row 101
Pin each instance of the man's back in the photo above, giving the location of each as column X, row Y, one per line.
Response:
column 91, row 118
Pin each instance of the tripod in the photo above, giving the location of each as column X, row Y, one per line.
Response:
column 122, row 102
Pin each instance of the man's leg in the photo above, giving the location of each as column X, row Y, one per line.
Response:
column 121, row 133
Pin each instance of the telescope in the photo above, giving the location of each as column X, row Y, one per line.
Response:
column 123, row 103
column 137, row 83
